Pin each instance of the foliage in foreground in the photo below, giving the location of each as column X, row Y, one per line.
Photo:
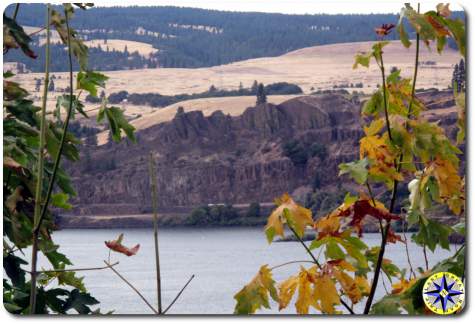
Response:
column 33, row 146
column 399, row 146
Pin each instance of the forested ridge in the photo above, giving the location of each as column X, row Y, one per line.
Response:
column 190, row 38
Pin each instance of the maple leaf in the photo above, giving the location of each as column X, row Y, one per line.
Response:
column 403, row 285
column 304, row 299
column 287, row 289
column 392, row 237
column 362, row 208
column 256, row 293
column 116, row 245
column 438, row 26
column 325, row 294
column 349, row 286
column 329, row 225
column 381, row 157
column 450, row 185
column 289, row 212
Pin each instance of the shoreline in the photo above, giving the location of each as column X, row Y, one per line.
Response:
column 174, row 221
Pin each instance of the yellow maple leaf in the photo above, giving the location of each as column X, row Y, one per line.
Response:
column 363, row 284
column 403, row 285
column 449, row 182
column 381, row 156
column 287, row 290
column 255, row 294
column 304, row 299
column 349, row 286
column 325, row 294
column 288, row 211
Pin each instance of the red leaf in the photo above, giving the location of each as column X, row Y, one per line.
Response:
column 116, row 245
column 360, row 209
column 393, row 237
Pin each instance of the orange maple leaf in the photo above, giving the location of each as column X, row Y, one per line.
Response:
column 116, row 245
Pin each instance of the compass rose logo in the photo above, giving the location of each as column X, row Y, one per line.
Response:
column 443, row 293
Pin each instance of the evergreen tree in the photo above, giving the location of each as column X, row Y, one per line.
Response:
column 454, row 83
column 261, row 95
column 461, row 75
column 51, row 85
column 254, row 87
column 212, row 89
column 241, row 88
column 38, row 85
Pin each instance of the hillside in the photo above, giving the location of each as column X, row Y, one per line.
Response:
column 191, row 38
column 318, row 67
column 314, row 68
column 239, row 159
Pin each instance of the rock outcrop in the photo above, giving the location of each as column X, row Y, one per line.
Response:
column 222, row 159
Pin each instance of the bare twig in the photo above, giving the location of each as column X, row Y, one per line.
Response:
column 291, row 262
column 425, row 257
column 153, row 185
column 77, row 269
column 40, row 172
column 15, row 13
column 411, row 269
column 178, row 295
column 131, row 286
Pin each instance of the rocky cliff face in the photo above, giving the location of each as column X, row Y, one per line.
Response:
column 222, row 159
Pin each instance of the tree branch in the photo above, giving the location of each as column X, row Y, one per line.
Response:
column 77, row 269
column 153, row 184
column 131, row 286
column 178, row 295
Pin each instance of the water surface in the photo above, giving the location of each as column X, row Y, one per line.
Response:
column 222, row 260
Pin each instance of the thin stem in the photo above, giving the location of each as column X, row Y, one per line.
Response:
column 416, row 68
column 178, row 295
column 40, row 171
column 386, row 113
column 131, row 286
column 290, row 262
column 306, row 247
column 384, row 286
column 407, row 252
column 65, row 129
column 426, row 260
column 77, row 269
column 15, row 13
column 39, row 30
column 153, row 184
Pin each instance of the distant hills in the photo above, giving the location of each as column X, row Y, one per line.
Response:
column 190, row 38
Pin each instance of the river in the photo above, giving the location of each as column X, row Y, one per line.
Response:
column 222, row 260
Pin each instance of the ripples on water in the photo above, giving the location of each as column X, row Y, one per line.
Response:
column 222, row 259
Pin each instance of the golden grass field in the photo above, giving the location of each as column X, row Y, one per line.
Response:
column 312, row 68
column 143, row 49
column 233, row 106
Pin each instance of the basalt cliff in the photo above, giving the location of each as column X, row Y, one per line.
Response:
column 237, row 160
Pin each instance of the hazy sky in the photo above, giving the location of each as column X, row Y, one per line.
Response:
column 292, row 6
